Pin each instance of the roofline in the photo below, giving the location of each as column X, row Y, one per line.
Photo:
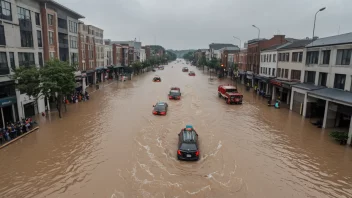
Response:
column 63, row 7
column 291, row 48
column 307, row 46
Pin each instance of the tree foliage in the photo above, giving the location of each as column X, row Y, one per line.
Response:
column 55, row 79
column 189, row 56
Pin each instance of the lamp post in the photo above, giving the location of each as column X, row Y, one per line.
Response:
column 315, row 18
column 258, row 31
column 239, row 40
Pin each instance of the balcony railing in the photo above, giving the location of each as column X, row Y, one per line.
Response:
column 63, row 45
column 62, row 30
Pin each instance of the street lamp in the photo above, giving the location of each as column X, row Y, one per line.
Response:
column 258, row 31
column 239, row 40
column 315, row 18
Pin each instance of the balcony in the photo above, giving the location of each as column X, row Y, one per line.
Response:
column 62, row 30
column 63, row 44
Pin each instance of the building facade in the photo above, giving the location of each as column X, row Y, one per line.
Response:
column 87, row 61
column 326, row 93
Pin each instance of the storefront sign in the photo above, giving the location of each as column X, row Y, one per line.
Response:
column 276, row 83
column 7, row 101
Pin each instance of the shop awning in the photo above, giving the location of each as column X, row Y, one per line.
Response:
column 116, row 67
column 283, row 83
column 99, row 68
column 263, row 78
column 308, row 87
column 335, row 95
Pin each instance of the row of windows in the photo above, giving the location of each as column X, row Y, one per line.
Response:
column 73, row 27
column 267, row 58
column 343, row 57
column 339, row 80
column 24, row 59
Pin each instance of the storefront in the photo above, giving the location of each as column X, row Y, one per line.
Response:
column 8, row 110
column 101, row 73
column 242, row 75
column 282, row 90
column 264, row 84
column 249, row 78
column 90, row 77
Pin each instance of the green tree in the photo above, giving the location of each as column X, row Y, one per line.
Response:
column 137, row 66
column 55, row 79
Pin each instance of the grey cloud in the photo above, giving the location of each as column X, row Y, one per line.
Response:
column 181, row 24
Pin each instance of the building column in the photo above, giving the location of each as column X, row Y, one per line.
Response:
column 3, row 120
column 305, row 105
column 291, row 99
column 350, row 133
column 288, row 98
column 84, row 85
column 47, row 100
column 273, row 97
column 13, row 113
column 267, row 89
column 325, row 113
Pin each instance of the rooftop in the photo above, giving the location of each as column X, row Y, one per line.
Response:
column 54, row 3
column 276, row 47
column 332, row 40
column 217, row 46
column 336, row 95
column 297, row 44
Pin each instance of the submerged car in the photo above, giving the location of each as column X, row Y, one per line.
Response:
column 191, row 73
column 156, row 79
column 160, row 108
column 185, row 69
column 175, row 94
column 188, row 148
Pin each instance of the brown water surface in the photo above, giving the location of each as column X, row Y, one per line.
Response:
column 112, row 146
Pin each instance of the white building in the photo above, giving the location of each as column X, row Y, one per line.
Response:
column 215, row 49
column 108, row 55
column 143, row 56
column 22, row 45
column 267, row 70
column 327, row 87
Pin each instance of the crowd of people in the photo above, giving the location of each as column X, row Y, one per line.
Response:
column 13, row 130
column 76, row 97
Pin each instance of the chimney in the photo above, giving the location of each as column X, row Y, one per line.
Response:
column 281, row 38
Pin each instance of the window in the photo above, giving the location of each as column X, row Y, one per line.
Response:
column 26, row 59
column 5, row 10
column 23, row 14
column 74, row 58
column 52, row 55
column 4, row 68
column 343, row 56
column 2, row 35
column 73, row 42
column 270, row 58
column 26, row 38
column 309, row 77
column 40, row 57
column 84, row 66
column 50, row 19
column 12, row 60
column 326, row 57
column 51, row 38
column 62, row 23
column 294, row 56
column 287, row 57
column 37, row 18
column 39, row 37
column 295, row 74
column 282, row 73
column 269, row 71
column 312, row 57
column 273, row 71
column 73, row 27
column 322, row 79
column 300, row 56
column 278, row 72
column 286, row 73
column 339, row 82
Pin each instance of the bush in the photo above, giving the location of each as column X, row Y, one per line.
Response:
column 340, row 136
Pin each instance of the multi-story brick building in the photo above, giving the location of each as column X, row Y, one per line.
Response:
column 60, row 31
column 147, row 52
column 253, row 54
column 87, row 62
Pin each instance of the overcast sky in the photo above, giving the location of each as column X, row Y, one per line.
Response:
column 193, row 24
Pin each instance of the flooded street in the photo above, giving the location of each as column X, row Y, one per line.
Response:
column 112, row 146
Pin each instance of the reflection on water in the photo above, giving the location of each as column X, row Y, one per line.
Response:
column 112, row 146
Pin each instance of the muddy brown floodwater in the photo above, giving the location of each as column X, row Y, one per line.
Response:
column 112, row 146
